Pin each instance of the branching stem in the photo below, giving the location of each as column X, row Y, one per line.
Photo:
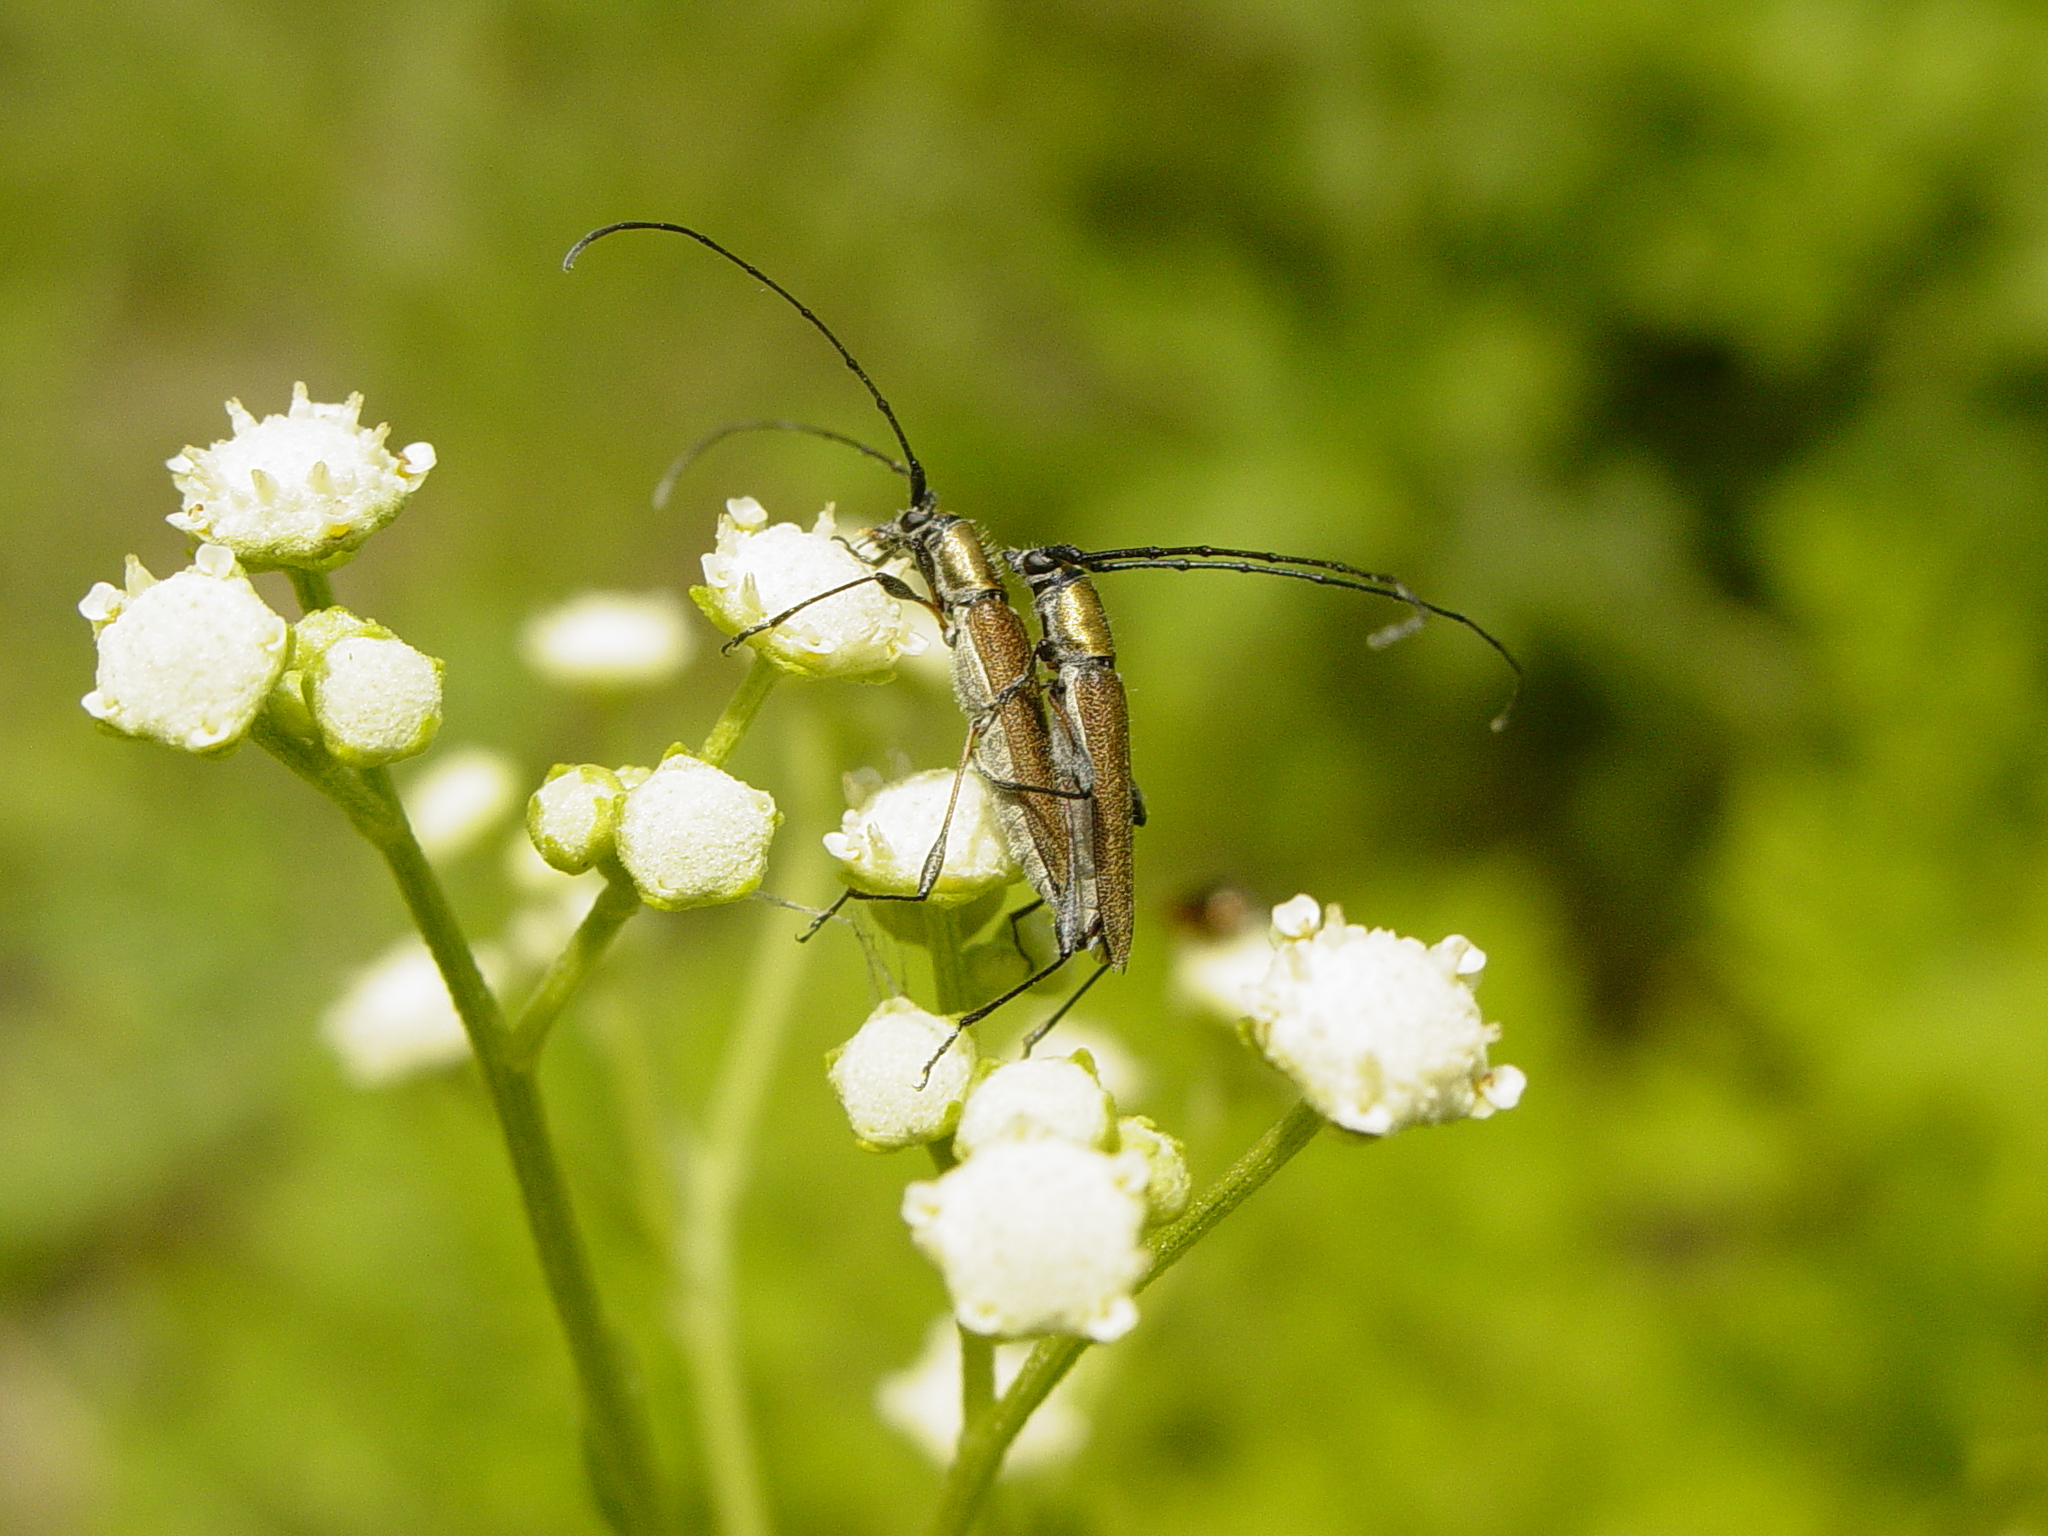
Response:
column 982, row 1445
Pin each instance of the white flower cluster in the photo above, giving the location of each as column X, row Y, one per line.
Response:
column 303, row 489
column 1038, row 1227
column 883, row 841
column 688, row 834
column 758, row 571
column 1379, row 1032
column 192, row 661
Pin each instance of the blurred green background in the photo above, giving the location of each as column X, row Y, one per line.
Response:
column 1700, row 349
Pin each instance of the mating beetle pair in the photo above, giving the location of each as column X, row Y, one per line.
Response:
column 1055, row 752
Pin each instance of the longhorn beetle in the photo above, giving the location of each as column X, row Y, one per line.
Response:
column 995, row 674
column 1062, row 779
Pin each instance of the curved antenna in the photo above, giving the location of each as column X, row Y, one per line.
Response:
column 1114, row 560
column 1263, row 556
column 920, row 495
column 691, row 454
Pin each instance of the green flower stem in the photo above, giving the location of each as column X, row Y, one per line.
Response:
column 601, row 924
column 714, row 1169
column 619, row 901
column 982, row 1445
column 740, row 710
column 619, row 1445
column 313, row 589
column 949, row 967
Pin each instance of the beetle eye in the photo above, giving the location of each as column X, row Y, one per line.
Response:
column 1036, row 562
column 915, row 519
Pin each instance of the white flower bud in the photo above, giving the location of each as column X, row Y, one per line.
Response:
column 880, row 1077
column 303, row 489
column 396, row 1017
column 882, row 843
column 610, row 641
column 574, row 817
column 923, row 1404
column 1116, row 1068
column 186, row 661
column 758, row 571
column 1036, row 1236
column 375, row 698
column 692, row 835
column 458, row 798
column 1376, row 1030
column 1053, row 1096
column 1168, row 1184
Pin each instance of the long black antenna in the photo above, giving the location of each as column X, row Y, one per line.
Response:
column 1096, row 562
column 920, row 495
column 691, row 454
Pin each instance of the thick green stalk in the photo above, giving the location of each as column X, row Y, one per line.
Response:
column 982, row 1445
column 740, row 710
column 619, row 1446
column 601, row 924
column 314, row 589
column 948, row 956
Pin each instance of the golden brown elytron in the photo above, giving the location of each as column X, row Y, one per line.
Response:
column 1091, row 744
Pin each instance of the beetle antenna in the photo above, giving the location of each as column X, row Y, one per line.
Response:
column 1115, row 560
column 696, row 450
column 920, row 494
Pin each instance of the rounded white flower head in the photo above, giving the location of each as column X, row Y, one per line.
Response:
column 1378, row 1031
column 1037, row 1236
column 882, row 842
column 396, row 1018
column 691, row 835
column 573, row 818
column 610, row 641
column 880, row 1076
column 459, row 798
column 303, row 489
column 1055, row 1096
column 374, row 698
column 1168, row 1184
column 757, row 571
column 922, row 1403
column 186, row 661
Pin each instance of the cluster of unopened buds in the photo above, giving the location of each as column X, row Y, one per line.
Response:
column 1048, row 1198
